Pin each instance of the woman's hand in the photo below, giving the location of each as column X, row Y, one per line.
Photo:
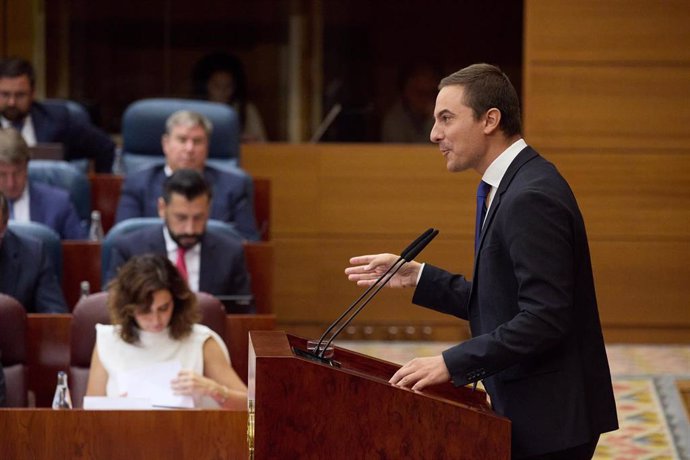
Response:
column 189, row 383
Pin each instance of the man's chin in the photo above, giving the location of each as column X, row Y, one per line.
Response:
column 187, row 243
column 12, row 115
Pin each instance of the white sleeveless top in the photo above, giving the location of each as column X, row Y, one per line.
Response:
column 118, row 356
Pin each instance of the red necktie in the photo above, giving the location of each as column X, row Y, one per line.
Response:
column 181, row 264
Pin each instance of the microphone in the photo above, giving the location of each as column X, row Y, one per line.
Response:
column 407, row 255
column 326, row 123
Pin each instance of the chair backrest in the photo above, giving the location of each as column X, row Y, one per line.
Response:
column 93, row 309
column 143, row 124
column 65, row 176
column 75, row 109
column 136, row 223
column 13, row 351
column 76, row 112
column 51, row 240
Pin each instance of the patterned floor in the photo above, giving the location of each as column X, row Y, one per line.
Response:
column 653, row 422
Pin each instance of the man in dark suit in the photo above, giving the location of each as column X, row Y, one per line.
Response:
column 27, row 272
column 185, row 144
column 40, row 123
column 211, row 263
column 31, row 201
column 536, row 337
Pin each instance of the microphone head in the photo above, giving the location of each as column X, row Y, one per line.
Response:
column 412, row 245
column 414, row 252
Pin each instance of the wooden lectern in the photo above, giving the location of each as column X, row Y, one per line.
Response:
column 304, row 408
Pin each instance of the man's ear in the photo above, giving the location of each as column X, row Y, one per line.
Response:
column 161, row 207
column 492, row 120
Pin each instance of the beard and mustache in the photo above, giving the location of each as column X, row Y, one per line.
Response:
column 186, row 240
column 13, row 114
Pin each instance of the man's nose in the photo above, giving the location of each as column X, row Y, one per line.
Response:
column 435, row 135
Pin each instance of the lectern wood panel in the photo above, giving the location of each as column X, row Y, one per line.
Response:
column 307, row 409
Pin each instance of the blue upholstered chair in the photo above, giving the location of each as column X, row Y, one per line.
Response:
column 136, row 223
column 65, row 176
column 75, row 109
column 79, row 113
column 143, row 124
column 50, row 239
column 13, row 354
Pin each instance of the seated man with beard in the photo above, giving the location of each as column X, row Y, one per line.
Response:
column 209, row 262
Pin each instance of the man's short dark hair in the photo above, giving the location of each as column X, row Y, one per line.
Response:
column 14, row 67
column 189, row 183
column 487, row 87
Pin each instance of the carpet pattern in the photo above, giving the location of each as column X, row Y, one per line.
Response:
column 653, row 421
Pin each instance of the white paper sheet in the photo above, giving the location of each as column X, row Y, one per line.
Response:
column 116, row 403
column 153, row 382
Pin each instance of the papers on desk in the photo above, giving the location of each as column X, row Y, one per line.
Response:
column 116, row 403
column 146, row 388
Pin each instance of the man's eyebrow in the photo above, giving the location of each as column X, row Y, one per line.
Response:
column 444, row 112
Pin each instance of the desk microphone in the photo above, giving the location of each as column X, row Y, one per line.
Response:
column 408, row 254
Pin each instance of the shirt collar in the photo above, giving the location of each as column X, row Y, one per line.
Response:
column 497, row 169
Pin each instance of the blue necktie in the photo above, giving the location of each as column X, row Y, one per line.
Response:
column 10, row 204
column 482, row 192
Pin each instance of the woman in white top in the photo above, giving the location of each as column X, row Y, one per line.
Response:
column 154, row 317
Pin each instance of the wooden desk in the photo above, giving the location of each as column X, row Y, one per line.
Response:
column 169, row 434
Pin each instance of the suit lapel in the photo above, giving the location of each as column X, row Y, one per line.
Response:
column 35, row 205
column 9, row 269
column 206, row 263
column 523, row 157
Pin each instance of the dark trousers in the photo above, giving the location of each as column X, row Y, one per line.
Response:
column 581, row 452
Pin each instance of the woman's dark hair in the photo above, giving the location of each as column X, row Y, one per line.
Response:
column 132, row 291
column 222, row 62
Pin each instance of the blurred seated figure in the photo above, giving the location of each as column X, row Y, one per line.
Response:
column 43, row 123
column 411, row 118
column 27, row 272
column 34, row 201
column 212, row 262
column 220, row 77
column 185, row 145
column 154, row 320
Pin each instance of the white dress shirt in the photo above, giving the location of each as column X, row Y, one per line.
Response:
column 192, row 259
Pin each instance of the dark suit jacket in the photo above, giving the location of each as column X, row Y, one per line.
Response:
column 223, row 270
column 27, row 273
column 52, row 206
column 232, row 198
column 80, row 140
column 536, row 337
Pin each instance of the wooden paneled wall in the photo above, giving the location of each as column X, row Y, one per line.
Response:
column 330, row 202
column 606, row 85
